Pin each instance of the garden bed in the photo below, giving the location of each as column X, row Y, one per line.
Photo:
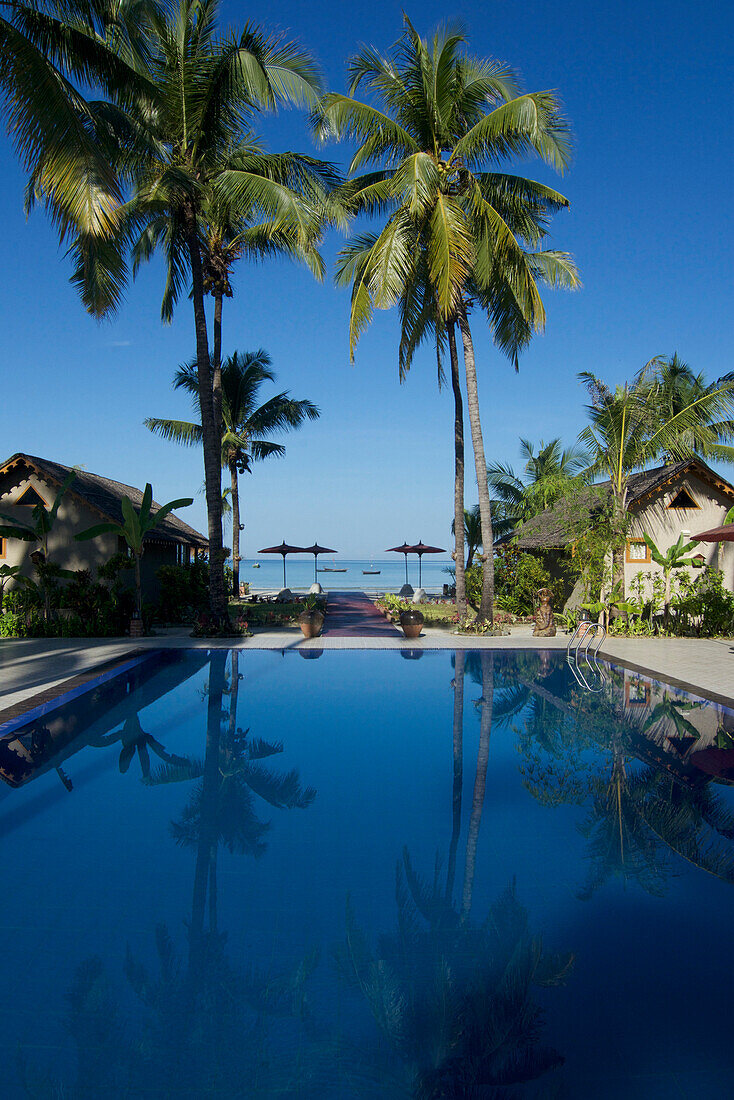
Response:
column 262, row 614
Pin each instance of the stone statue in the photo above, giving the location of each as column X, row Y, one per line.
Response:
column 545, row 624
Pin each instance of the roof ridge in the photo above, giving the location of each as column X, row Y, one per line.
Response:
column 105, row 487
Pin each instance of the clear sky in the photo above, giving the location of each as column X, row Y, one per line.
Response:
column 647, row 89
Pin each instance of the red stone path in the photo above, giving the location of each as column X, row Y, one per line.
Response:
column 353, row 615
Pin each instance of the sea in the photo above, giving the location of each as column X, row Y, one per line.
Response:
column 300, row 573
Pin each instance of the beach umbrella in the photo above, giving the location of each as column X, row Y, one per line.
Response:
column 716, row 534
column 404, row 549
column 283, row 549
column 420, row 549
column 316, row 550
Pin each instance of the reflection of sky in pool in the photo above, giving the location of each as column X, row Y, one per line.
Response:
column 145, row 958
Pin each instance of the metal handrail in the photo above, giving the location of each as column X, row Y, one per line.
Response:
column 587, row 631
column 583, row 638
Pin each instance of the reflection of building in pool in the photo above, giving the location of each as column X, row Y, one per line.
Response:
column 695, row 737
column 106, row 714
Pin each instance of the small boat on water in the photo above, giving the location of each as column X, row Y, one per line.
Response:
column 371, row 572
column 333, row 568
column 256, row 565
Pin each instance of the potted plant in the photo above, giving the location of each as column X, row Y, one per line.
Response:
column 412, row 622
column 311, row 620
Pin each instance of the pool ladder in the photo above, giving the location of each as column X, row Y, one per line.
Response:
column 593, row 679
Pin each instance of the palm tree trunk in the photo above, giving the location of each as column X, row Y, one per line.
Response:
column 458, row 749
column 480, row 463
column 480, row 782
column 458, row 473
column 217, row 362
column 212, row 439
column 235, row 528
column 213, row 918
column 206, row 847
column 138, row 588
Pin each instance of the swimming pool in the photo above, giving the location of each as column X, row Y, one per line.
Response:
column 358, row 875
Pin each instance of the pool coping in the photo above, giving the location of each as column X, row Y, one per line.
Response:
column 49, row 699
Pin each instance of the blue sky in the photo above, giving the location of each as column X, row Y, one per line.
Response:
column 647, row 90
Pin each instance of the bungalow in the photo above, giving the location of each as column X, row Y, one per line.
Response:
column 684, row 498
column 26, row 480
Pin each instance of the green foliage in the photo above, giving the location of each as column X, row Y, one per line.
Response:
column 136, row 525
column 674, row 556
column 184, row 592
column 83, row 608
column 703, row 607
column 594, row 529
column 517, row 578
column 551, row 473
column 277, row 614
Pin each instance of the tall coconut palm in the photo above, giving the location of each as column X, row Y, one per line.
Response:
column 57, row 57
column 441, row 122
column 629, row 429
column 246, row 424
column 182, row 144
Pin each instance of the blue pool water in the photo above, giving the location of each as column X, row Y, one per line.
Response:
column 253, row 875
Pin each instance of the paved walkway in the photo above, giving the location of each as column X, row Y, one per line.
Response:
column 354, row 615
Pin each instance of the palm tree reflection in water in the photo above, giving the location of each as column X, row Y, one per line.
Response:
column 453, row 998
column 207, row 1031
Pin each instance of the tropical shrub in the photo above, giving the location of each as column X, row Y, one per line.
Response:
column 83, row 608
column 517, row 578
column 703, row 607
column 184, row 592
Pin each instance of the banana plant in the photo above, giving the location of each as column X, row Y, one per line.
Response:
column 614, row 600
column 673, row 558
column 134, row 528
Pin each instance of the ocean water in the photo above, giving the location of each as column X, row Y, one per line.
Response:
column 359, row 875
column 391, row 578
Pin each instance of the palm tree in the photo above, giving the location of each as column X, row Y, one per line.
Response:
column 629, row 429
column 54, row 55
column 187, row 153
column 453, row 999
column 246, row 424
column 457, row 234
column 480, row 780
column 678, row 388
column 547, row 475
column 472, row 534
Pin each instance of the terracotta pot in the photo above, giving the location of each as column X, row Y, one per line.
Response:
column 311, row 623
column 412, row 623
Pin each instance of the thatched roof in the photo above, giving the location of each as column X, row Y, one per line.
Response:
column 558, row 526
column 104, row 497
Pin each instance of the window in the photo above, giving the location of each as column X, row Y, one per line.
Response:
column 638, row 552
column 636, row 691
column 683, row 500
column 30, row 497
column 3, row 547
